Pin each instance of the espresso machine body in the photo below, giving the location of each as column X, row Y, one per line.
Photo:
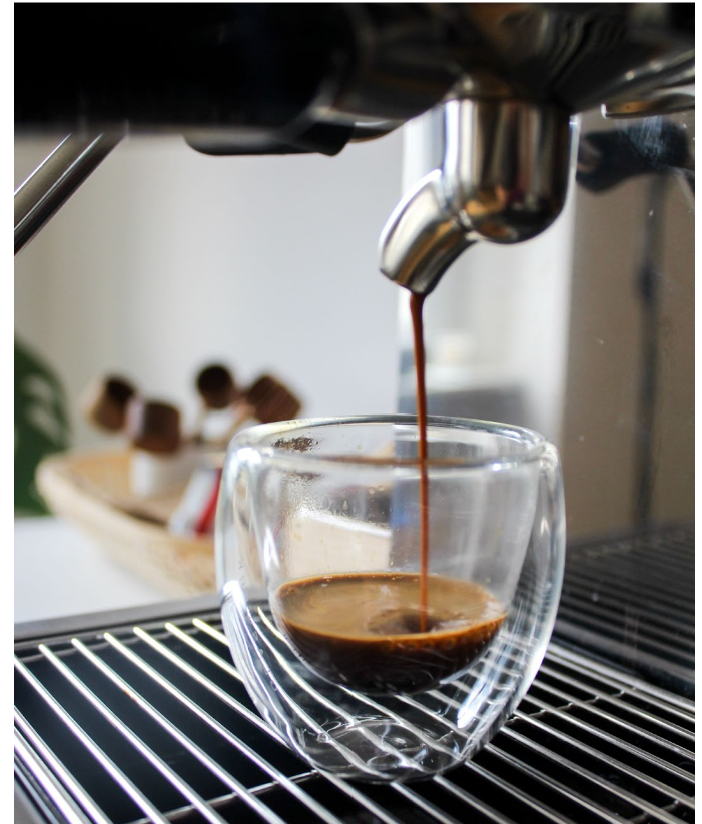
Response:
column 540, row 116
column 289, row 78
column 262, row 73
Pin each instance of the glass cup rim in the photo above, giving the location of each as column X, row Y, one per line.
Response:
column 532, row 445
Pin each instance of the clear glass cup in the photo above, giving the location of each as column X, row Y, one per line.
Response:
column 364, row 670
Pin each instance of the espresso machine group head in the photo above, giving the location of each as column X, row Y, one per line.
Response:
column 504, row 178
column 506, row 130
column 290, row 78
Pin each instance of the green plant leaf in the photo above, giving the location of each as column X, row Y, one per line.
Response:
column 41, row 425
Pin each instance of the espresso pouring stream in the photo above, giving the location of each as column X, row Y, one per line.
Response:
column 416, row 307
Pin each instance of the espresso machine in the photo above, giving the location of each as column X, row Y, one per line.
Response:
column 251, row 80
column 527, row 108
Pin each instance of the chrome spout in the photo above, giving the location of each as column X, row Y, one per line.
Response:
column 422, row 238
column 504, row 179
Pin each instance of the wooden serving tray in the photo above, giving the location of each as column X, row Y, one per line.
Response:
column 92, row 490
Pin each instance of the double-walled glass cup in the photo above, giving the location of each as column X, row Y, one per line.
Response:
column 370, row 663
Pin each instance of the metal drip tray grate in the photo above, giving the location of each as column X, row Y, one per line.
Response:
column 632, row 601
column 152, row 723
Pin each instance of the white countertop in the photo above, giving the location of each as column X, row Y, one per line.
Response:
column 60, row 572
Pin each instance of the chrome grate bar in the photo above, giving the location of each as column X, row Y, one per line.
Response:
column 198, row 752
column 57, row 773
column 477, row 804
column 611, row 720
column 436, row 813
column 615, row 703
column 609, row 680
column 585, row 804
column 59, row 785
column 555, row 762
column 504, row 788
column 161, row 649
column 632, row 601
column 138, row 743
column 564, row 763
column 670, row 616
column 598, row 781
column 101, row 757
column 655, row 640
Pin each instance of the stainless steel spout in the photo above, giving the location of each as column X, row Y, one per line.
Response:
column 423, row 237
column 504, row 179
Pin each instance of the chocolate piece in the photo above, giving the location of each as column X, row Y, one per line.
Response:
column 216, row 386
column 106, row 402
column 153, row 426
column 271, row 400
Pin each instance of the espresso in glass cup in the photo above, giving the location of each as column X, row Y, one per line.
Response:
column 374, row 659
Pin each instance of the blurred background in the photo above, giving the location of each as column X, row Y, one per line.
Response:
column 167, row 259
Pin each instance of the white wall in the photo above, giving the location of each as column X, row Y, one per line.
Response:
column 166, row 258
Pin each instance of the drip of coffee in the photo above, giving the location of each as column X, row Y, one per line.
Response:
column 370, row 631
column 417, row 309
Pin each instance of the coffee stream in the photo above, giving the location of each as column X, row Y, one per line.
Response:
column 416, row 307
column 385, row 633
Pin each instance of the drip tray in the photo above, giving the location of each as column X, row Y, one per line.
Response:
column 150, row 722
column 631, row 601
